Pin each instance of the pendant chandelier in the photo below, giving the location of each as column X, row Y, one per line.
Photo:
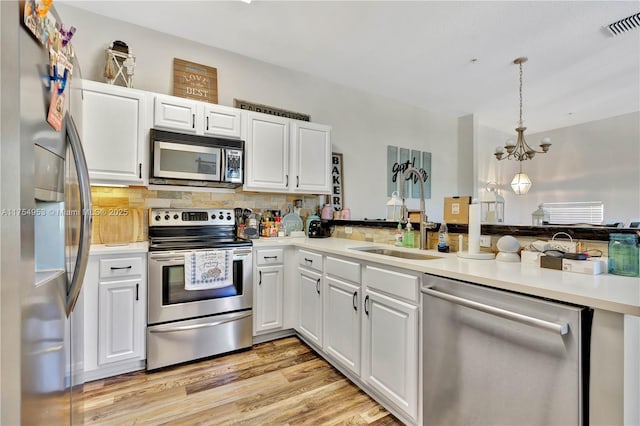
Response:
column 520, row 150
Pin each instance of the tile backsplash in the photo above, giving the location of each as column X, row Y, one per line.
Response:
column 121, row 214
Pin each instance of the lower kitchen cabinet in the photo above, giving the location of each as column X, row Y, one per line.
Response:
column 120, row 321
column 268, row 292
column 114, row 296
column 310, row 306
column 390, row 350
column 342, row 323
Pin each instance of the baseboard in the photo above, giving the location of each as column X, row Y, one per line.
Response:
column 114, row 370
column 275, row 335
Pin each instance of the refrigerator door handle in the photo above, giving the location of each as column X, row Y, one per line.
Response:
column 561, row 329
column 85, row 216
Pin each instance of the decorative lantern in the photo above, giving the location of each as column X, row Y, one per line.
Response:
column 492, row 206
column 539, row 218
column 393, row 207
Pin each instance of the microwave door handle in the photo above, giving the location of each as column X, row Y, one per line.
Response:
column 85, row 218
column 223, row 165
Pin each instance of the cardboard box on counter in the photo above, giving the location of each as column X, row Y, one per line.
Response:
column 456, row 209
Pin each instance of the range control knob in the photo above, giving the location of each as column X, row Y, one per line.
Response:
column 175, row 216
column 220, row 217
column 158, row 217
column 166, row 217
column 213, row 216
column 228, row 217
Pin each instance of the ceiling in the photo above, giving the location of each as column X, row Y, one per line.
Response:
column 448, row 56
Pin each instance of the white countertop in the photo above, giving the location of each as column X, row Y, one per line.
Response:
column 606, row 291
column 100, row 249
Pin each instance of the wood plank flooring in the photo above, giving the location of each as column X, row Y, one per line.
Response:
column 283, row 382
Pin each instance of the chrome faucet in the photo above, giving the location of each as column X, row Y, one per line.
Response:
column 404, row 212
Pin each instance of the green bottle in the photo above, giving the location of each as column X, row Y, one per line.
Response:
column 407, row 240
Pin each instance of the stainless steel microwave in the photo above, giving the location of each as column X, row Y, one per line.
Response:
column 193, row 160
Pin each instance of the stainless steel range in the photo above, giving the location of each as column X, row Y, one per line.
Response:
column 200, row 294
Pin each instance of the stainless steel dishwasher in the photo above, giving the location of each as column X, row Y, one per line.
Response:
column 492, row 357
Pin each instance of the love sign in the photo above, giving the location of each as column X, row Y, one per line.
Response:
column 195, row 81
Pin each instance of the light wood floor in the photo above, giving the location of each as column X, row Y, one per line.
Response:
column 275, row 383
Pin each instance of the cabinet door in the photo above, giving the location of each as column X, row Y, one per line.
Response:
column 342, row 323
column 176, row 114
column 221, row 121
column 267, row 153
column 114, row 133
column 390, row 354
column 268, row 298
column 310, row 307
column 120, row 321
column 311, row 156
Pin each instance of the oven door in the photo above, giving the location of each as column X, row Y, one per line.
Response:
column 185, row 161
column 169, row 301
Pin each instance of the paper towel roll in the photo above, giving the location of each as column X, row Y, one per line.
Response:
column 474, row 228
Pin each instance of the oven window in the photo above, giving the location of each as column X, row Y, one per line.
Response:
column 189, row 162
column 173, row 286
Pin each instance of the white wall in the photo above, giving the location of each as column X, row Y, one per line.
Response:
column 595, row 161
column 363, row 124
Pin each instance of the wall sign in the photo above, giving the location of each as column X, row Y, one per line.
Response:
column 337, row 192
column 398, row 160
column 195, row 81
column 266, row 109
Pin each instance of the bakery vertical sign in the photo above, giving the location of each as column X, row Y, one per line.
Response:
column 195, row 81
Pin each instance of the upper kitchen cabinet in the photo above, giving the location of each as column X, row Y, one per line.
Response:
column 114, row 133
column 284, row 155
column 267, row 153
column 202, row 118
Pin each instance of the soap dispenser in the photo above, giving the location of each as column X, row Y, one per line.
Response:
column 408, row 239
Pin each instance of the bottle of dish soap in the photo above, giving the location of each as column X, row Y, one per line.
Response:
column 407, row 240
column 443, row 238
column 398, row 235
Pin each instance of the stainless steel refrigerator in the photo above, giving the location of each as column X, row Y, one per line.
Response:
column 45, row 218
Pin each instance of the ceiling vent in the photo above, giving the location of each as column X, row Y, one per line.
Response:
column 622, row 26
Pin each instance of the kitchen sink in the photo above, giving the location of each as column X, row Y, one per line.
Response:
column 396, row 253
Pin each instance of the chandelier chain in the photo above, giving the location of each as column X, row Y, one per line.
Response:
column 520, row 93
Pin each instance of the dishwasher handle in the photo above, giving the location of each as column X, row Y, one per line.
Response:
column 561, row 329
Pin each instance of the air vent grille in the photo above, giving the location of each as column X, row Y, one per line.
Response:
column 622, row 26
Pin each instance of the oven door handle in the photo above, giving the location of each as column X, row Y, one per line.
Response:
column 167, row 259
column 196, row 326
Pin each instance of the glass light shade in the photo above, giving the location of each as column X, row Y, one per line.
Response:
column 521, row 183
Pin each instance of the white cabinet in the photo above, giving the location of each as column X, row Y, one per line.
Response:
column 120, row 323
column 310, row 296
column 115, row 298
column 284, row 155
column 185, row 115
column 342, row 323
column 311, row 157
column 310, row 306
column 268, row 290
column 267, row 153
column 115, row 133
column 390, row 339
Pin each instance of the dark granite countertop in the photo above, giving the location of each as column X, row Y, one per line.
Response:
column 579, row 232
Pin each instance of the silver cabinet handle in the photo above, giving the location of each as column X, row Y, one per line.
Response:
column 318, row 285
column 366, row 300
column 197, row 326
column 355, row 301
column 560, row 329
column 287, row 184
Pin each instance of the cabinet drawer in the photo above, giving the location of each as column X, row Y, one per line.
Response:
column 310, row 260
column 392, row 282
column 269, row 256
column 343, row 269
column 120, row 267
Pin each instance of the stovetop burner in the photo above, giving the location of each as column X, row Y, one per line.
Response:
column 193, row 229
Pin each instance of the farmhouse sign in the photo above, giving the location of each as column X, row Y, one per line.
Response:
column 195, row 81
column 266, row 109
